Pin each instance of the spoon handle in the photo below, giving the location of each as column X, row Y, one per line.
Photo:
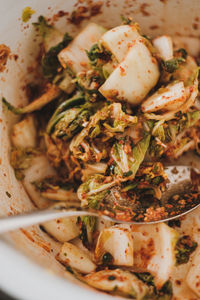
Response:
column 36, row 217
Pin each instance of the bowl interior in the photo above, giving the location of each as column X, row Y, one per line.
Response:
column 179, row 18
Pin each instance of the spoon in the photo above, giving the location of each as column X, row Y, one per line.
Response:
column 179, row 183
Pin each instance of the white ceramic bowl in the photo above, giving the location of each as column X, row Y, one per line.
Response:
column 36, row 274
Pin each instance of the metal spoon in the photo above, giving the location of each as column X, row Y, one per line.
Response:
column 179, row 182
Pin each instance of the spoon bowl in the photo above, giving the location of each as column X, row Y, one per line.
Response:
column 180, row 182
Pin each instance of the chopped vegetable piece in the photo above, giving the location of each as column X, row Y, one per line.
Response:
column 63, row 230
column 129, row 162
column 51, row 93
column 60, row 194
column 76, row 100
column 97, row 53
column 24, row 133
column 186, row 71
column 146, row 277
column 167, row 98
column 118, row 242
column 71, row 255
column 192, row 278
column 71, row 122
column 92, row 169
column 27, row 13
column 55, row 189
column 4, row 56
column 108, row 121
column 172, row 65
column 184, row 248
column 134, row 77
column 164, row 46
column 138, row 153
column 50, row 62
column 154, row 251
column 120, row 39
column 50, row 35
column 165, row 293
column 87, row 227
column 21, row 159
column 121, row 283
column 182, row 52
column 74, row 56
column 93, row 191
column 39, row 168
column 64, row 81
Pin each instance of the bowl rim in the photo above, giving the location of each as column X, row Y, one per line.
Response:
column 29, row 281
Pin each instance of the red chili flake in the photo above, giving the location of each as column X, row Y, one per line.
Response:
column 178, row 282
column 169, row 205
column 4, row 54
column 96, row 8
column 143, row 9
column 197, row 284
column 195, row 26
column 122, row 71
column 153, row 27
column 62, row 13
column 15, row 56
column 83, row 64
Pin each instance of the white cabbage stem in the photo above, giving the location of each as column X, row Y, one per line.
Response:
column 160, row 241
column 24, row 133
column 119, row 39
column 89, row 170
column 192, row 278
column 60, row 195
column 118, row 242
column 74, row 55
column 184, row 108
column 63, row 230
column 157, row 126
column 127, row 283
column 39, row 169
column 172, row 97
column 102, row 188
column 160, row 142
column 164, row 46
column 134, row 77
column 72, row 256
column 190, row 145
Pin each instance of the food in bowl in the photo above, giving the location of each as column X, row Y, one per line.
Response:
column 110, row 107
